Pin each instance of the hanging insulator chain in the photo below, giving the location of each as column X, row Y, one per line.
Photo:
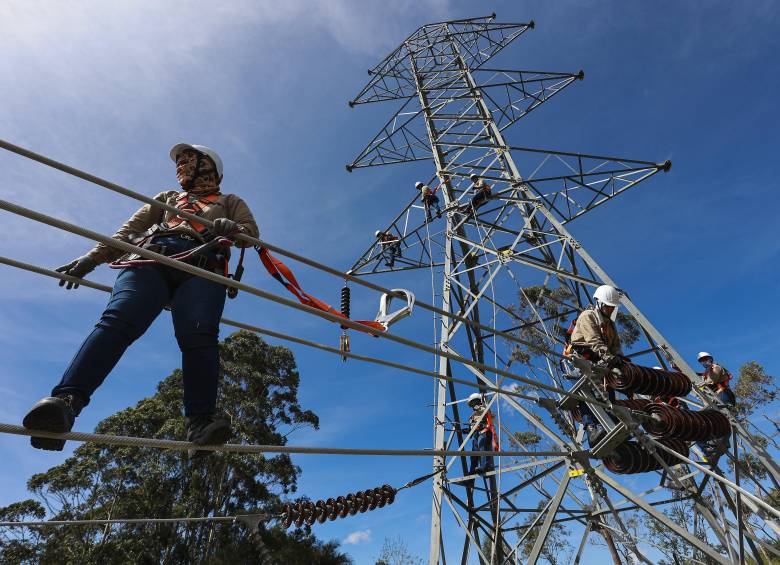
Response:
column 308, row 511
column 345, row 303
column 344, row 340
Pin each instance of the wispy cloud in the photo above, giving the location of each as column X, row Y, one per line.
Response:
column 357, row 537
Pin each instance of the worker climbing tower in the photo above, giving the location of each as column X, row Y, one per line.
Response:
column 510, row 278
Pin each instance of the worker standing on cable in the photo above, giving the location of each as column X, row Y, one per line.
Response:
column 429, row 199
column 717, row 378
column 595, row 337
column 482, row 193
column 141, row 292
column 483, row 435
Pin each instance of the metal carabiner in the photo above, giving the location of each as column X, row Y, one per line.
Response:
column 389, row 319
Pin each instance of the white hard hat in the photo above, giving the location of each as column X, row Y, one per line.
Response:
column 703, row 355
column 474, row 398
column 473, row 176
column 418, row 184
column 203, row 150
column 377, row 233
column 608, row 295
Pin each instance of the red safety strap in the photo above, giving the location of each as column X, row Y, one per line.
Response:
column 196, row 207
column 491, row 427
column 284, row 275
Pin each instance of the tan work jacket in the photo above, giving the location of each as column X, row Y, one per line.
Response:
column 227, row 206
column 598, row 333
column 716, row 375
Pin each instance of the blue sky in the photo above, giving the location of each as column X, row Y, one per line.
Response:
column 110, row 87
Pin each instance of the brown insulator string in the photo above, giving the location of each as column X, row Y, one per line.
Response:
column 629, row 457
column 669, row 422
column 308, row 511
column 630, row 378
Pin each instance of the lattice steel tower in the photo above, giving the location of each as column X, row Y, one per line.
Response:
column 509, row 266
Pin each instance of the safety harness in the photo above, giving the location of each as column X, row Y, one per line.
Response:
column 195, row 205
column 487, row 425
column 724, row 384
column 607, row 332
column 197, row 256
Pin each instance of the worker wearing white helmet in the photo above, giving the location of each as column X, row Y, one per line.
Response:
column 389, row 247
column 483, row 436
column 482, row 193
column 144, row 288
column 717, row 378
column 595, row 337
column 429, row 199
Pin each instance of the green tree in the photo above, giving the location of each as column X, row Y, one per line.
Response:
column 396, row 552
column 259, row 390
column 754, row 389
column 556, row 548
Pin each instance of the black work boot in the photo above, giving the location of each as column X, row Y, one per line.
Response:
column 53, row 414
column 207, row 429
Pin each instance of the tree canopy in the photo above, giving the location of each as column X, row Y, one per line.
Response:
column 259, row 390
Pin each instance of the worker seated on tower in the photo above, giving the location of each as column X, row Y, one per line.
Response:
column 482, row 193
column 390, row 247
column 595, row 337
column 717, row 378
column 483, row 435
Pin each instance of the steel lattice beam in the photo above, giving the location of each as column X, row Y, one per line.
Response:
column 455, row 111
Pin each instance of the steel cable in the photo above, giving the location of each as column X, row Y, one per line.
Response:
column 162, row 259
column 235, row 448
column 241, row 237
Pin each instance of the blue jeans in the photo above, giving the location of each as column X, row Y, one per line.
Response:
column 588, row 418
column 138, row 297
column 429, row 202
column 390, row 252
column 726, row 396
column 481, row 442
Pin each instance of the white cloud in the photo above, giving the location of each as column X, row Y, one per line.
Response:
column 356, row 537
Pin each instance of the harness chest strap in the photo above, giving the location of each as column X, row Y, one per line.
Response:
column 186, row 203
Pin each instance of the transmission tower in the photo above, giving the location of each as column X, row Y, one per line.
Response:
column 510, row 275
